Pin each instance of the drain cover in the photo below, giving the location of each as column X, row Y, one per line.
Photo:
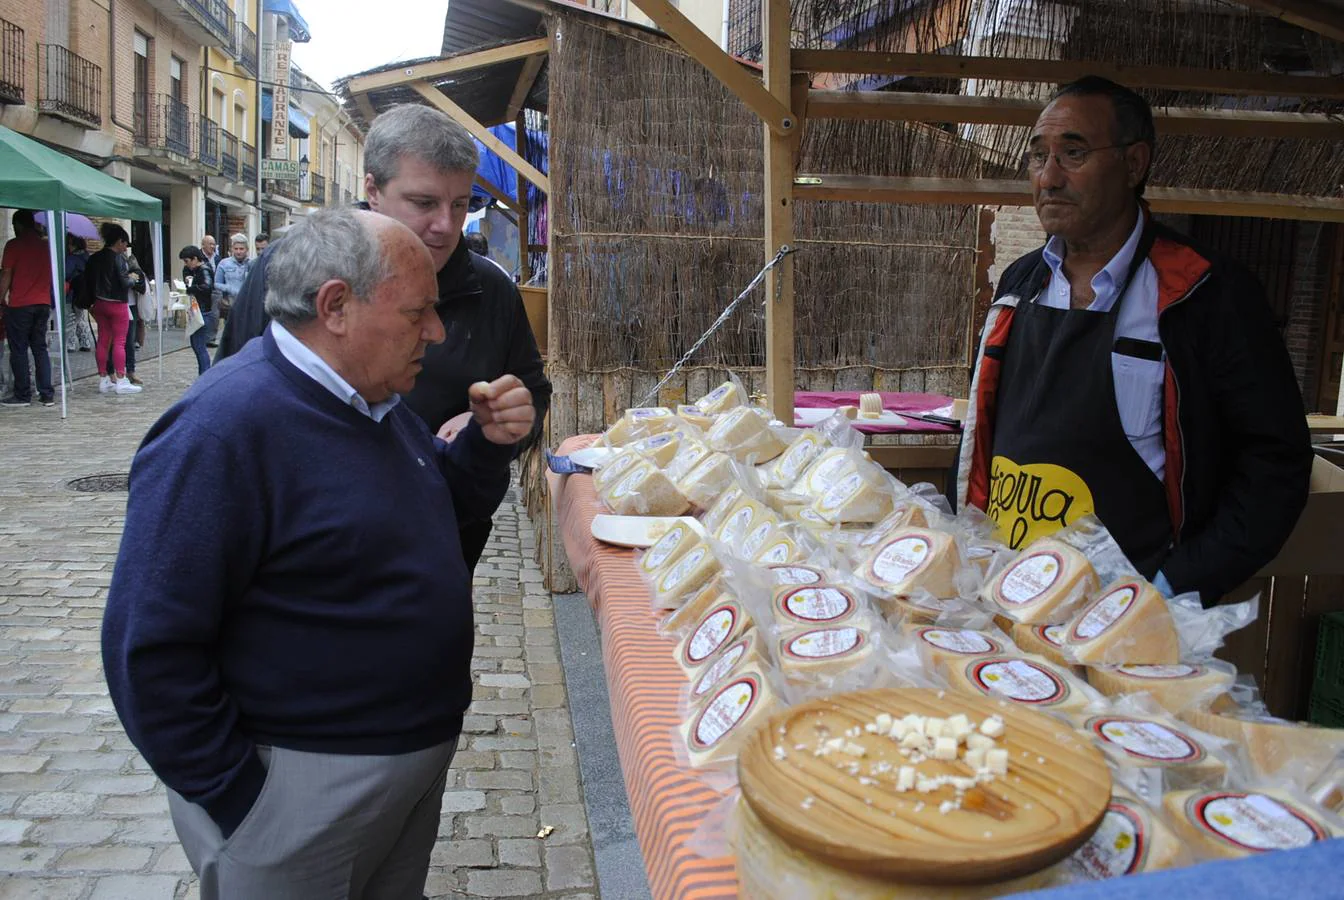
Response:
column 101, row 484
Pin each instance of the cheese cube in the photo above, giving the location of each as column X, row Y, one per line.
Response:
column 639, row 423
column 711, row 477
column 1031, row 682
column 732, row 658
column 685, row 576
column 1142, row 742
column 814, row 605
column 721, row 399
column 679, row 538
column 788, row 468
column 620, row 463
column 905, row 778
column 933, row 727
column 1128, row 623
column 854, row 498
column 945, row 748
column 818, row 653
column 696, row 416
column 1042, row 585
column 1173, row 687
column 644, row 491
column 1131, row 840
column 939, row 647
column 976, row 741
column 825, row 470
column 745, row 436
column 911, row 559
column 718, row 726
column 724, row 623
column 1228, row 824
column 975, row 758
column 1042, row 640
column 660, row 449
column 996, row 760
column 992, row 727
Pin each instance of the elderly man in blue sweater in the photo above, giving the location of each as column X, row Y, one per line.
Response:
column 293, row 656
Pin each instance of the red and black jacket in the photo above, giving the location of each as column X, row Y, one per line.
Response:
column 1238, row 450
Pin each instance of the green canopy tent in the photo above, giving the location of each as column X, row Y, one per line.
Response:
column 33, row 176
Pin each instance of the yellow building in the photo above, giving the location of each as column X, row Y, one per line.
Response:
column 230, row 91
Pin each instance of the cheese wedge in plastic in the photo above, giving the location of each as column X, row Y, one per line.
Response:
column 777, row 549
column 1042, row 640
column 1131, row 840
column 743, row 518
column 1233, row 824
column 721, row 399
column 822, row 653
column 911, row 559
column 904, row 610
column 711, row 477
column 1173, row 687
column 1044, row 584
column 788, row 468
column 690, row 452
column 811, row 606
column 676, row 541
column 1149, row 742
column 943, row 647
column 1273, row 745
column 724, row 622
column 695, row 416
column 744, row 435
column 761, row 532
column 688, row 574
column 825, row 470
column 660, row 449
column 795, row 573
column 1127, row 623
column 639, row 423
column 724, row 504
column 853, row 498
column 748, row 649
column 620, row 463
column 1031, row 682
column 644, row 491
column 689, row 613
column 718, row 726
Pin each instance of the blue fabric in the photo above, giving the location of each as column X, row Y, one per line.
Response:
column 230, row 275
column 502, row 175
column 316, row 368
column 298, row 28
column 291, row 575
column 298, row 124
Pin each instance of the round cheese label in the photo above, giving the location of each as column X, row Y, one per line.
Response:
column 751, row 544
column 782, row 575
column 613, row 470
column 966, row 643
column 1019, row 680
column 799, row 455
column 1254, row 822
column 824, row 471
column 1104, row 612
column 726, row 423
column 649, row 412
column 839, row 494
column 678, row 573
column 658, row 440
column 723, row 713
column 817, row 604
column 719, row 669
column 1119, row 846
column 737, row 524
column 628, row 484
column 1051, row 634
column 715, row 395
column 776, row 553
column 666, row 546
column 901, row 559
column 1147, row 741
column 1029, row 578
column 713, row 630
column 1161, row 673
column 825, row 643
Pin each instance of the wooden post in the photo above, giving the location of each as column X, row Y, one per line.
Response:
column 779, row 168
column 524, row 237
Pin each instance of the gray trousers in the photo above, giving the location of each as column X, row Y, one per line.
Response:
column 325, row 827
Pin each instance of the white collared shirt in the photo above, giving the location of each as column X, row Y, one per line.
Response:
column 316, row 368
column 1138, row 382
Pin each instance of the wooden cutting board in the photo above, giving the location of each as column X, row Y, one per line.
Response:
column 1052, row 799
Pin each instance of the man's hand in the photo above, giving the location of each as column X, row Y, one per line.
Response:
column 449, row 429
column 503, row 408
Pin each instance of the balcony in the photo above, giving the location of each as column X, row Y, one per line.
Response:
column 249, row 165
column 163, row 129
column 228, row 156
column 206, row 22
column 245, row 48
column 286, row 189
column 317, row 186
column 207, row 145
column 69, row 87
column 12, row 63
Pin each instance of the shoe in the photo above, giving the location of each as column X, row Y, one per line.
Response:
column 125, row 387
column 106, row 385
column 13, row 402
column 47, row 401
column 212, row 343
column 85, row 349
column 130, row 376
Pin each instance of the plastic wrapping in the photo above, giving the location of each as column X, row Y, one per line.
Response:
column 714, row 731
column 782, row 472
column 829, row 659
column 709, row 479
column 745, row 435
column 621, row 462
column 1277, row 748
column 1174, row 688
column 637, row 423
column 724, row 621
column 1133, row 838
column 865, row 495
column 644, row 491
column 1130, row 622
column 940, row 647
column 681, row 579
column 732, row 393
column 1234, row 822
column 752, row 646
column 680, row 537
column 1030, row 681
column 1044, row 584
column 1136, row 733
column 914, row 560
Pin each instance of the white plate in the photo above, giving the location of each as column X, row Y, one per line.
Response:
column 806, row 418
column 593, row 457
column 636, row 531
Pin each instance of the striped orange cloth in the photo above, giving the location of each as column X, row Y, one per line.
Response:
column 668, row 800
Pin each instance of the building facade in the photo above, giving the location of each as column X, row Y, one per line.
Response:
column 710, row 16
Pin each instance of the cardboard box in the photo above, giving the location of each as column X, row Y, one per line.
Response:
column 1314, row 546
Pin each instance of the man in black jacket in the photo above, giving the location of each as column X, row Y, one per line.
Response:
column 1125, row 373
column 419, row 169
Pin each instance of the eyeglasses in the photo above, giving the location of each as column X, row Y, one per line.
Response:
column 1070, row 160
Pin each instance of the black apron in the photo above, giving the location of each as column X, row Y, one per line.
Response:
column 1060, row 449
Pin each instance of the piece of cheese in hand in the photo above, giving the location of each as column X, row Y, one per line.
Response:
column 810, row 606
column 721, row 399
column 679, row 538
column 1031, row 682
column 711, row 477
column 1151, row 742
column 718, row 726
column 1128, row 623
column 645, row 491
column 853, row 498
column 911, row 559
column 745, row 436
column 1042, row 640
column 1173, row 687
column 639, row 423
column 723, row 623
column 660, row 449
column 1043, row 584
column 943, row 647
column 733, row 657
column 819, row 653
column 1131, row 840
column 783, row 472
column 1232, row 824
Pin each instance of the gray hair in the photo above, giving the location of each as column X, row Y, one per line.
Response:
column 238, row 238
column 411, row 129
column 331, row 244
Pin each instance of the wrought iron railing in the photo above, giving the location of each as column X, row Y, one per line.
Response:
column 69, row 86
column 249, row 165
column 279, row 188
column 744, row 28
column 214, row 14
column 228, row 155
column 163, row 122
column 12, row 63
column 207, row 145
column 245, row 48
column 318, row 189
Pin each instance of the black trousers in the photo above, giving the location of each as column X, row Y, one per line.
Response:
column 474, row 536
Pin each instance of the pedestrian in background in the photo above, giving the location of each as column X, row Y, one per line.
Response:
column 135, row 334
column 25, row 291
column 78, row 333
column 231, row 273
column 200, row 282
column 112, row 283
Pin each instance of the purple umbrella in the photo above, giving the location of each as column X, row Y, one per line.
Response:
column 74, row 224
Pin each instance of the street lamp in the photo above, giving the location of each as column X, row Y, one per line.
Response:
column 303, row 166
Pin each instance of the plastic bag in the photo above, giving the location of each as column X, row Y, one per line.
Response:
column 639, row 423
column 1052, row 577
column 644, row 491
column 1136, row 733
column 1130, row 622
column 1173, row 688
column 1133, row 838
column 746, row 435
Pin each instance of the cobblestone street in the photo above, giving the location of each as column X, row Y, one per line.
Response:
column 81, row 816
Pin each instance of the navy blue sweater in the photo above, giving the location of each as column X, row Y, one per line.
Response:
column 290, row 575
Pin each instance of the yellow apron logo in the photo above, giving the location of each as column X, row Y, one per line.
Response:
column 1034, row 500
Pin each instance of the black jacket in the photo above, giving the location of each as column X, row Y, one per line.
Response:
column 111, row 275
column 202, row 289
column 1238, row 451
column 488, row 335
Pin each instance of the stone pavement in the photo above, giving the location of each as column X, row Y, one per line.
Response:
column 81, row 816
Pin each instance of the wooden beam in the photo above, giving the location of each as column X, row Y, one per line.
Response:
column 772, row 108
column 990, row 192
column 366, row 107
column 438, row 68
column 528, row 77
column 484, row 135
column 779, row 168
column 524, row 221
column 911, row 107
column 1306, row 14
column 1055, row 71
column 494, row 191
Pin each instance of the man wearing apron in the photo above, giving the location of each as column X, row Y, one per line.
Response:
column 1127, row 374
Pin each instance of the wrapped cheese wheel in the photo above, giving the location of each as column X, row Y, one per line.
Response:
column 748, row 649
column 911, row 559
column 1127, row 623
column 809, row 606
column 1146, row 742
column 1131, row 840
column 943, row 647
column 854, row 498
column 692, row 571
column 906, row 610
column 644, row 491
column 1173, row 687
column 711, row 477
column 1042, row 640
column 745, row 436
column 1031, row 682
column 788, row 468
column 718, row 726
column 721, row 399
column 680, row 537
column 1273, row 745
column 1044, row 584
column 616, row 468
column 696, row 416
column 659, row 449
column 819, row 654
column 1234, row 824
column 724, row 623
column 688, row 614
column 639, row 423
